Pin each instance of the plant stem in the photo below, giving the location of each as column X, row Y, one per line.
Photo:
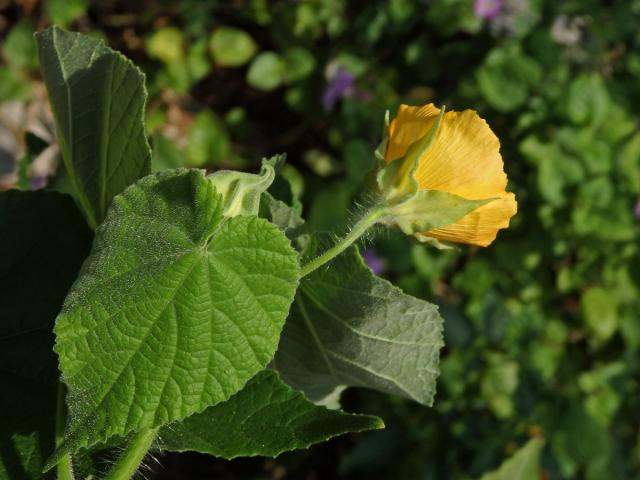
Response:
column 64, row 467
column 356, row 232
column 128, row 463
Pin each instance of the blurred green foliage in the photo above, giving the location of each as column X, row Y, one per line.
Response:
column 543, row 327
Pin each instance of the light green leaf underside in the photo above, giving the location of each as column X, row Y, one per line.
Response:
column 349, row 328
column 175, row 309
column 98, row 99
column 265, row 418
column 523, row 465
column 287, row 219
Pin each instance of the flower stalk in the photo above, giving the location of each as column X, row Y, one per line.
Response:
column 372, row 217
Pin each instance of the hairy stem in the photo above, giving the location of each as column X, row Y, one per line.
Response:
column 65, row 467
column 127, row 465
column 370, row 219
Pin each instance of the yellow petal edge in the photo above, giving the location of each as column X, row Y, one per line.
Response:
column 465, row 160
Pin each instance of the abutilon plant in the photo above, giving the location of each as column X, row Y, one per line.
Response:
column 195, row 312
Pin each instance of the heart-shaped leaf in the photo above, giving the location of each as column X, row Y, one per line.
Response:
column 175, row 310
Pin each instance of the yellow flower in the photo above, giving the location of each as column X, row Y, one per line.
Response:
column 463, row 159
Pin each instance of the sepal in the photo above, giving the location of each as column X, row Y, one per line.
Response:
column 434, row 242
column 381, row 149
column 241, row 191
column 427, row 209
column 397, row 178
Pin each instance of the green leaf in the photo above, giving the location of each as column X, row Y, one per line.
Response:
column 166, row 44
column 523, row 465
column 197, row 60
column 166, row 155
column 44, row 240
column 208, row 141
column 265, row 418
column 499, row 383
column 629, row 163
column 299, row 62
column 63, row 12
column 241, row 191
column 600, row 313
column 98, row 98
column 19, row 49
column 231, row 47
column 587, row 100
column 286, row 218
column 288, row 185
column 349, row 328
column 507, row 76
column 12, row 86
column 176, row 308
column 578, row 441
column 267, row 71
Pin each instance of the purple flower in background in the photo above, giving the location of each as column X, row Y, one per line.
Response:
column 340, row 85
column 38, row 182
column 371, row 258
column 487, row 9
column 636, row 211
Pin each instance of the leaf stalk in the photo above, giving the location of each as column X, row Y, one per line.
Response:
column 127, row 465
column 64, row 468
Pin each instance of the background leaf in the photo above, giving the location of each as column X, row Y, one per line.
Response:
column 18, row 47
column 231, row 47
column 175, row 309
column 523, row 465
column 167, row 45
column 267, row 71
column 349, row 328
column 63, row 12
column 98, row 99
column 265, row 418
column 44, row 240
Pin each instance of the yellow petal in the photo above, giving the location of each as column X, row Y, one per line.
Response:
column 464, row 158
column 481, row 226
column 409, row 126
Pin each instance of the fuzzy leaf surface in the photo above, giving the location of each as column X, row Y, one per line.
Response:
column 348, row 327
column 265, row 418
column 175, row 310
column 97, row 97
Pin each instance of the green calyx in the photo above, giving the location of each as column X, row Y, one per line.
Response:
column 397, row 179
column 428, row 209
column 241, row 191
